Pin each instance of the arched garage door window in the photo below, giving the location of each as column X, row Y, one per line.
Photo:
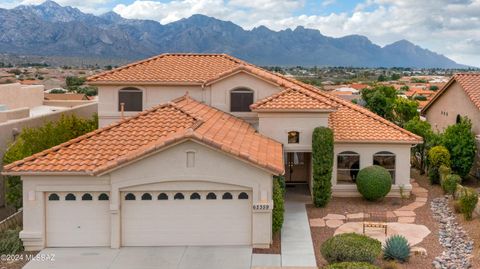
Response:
column 131, row 98
column 240, row 100
column 386, row 159
column 348, row 165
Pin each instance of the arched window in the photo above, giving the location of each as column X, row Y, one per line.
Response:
column 70, row 197
column 131, row 98
column 162, row 196
column 240, row 100
column 211, row 196
column 293, row 137
column 227, row 196
column 53, row 197
column 348, row 165
column 146, row 196
column 130, row 197
column 195, row 196
column 386, row 159
column 243, row 196
column 87, row 197
column 178, row 196
column 103, row 197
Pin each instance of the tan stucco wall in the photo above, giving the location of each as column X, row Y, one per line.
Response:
column 166, row 169
column 277, row 126
column 16, row 95
column 216, row 95
column 366, row 152
column 456, row 102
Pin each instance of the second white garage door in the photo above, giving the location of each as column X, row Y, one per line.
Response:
column 186, row 218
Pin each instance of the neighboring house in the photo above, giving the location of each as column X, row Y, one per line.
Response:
column 459, row 97
column 196, row 166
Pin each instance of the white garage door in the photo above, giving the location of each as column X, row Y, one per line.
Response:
column 77, row 219
column 186, row 218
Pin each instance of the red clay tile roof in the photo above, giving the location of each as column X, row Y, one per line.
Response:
column 294, row 100
column 151, row 130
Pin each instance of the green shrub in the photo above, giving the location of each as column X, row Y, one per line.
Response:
column 34, row 140
column 396, row 248
column 351, row 247
column 444, row 171
column 459, row 139
column 449, row 183
column 278, row 205
column 351, row 265
column 468, row 202
column 374, row 182
column 10, row 243
column 437, row 156
column 322, row 155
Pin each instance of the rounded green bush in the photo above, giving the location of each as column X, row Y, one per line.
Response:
column 449, row 183
column 351, row 247
column 351, row 265
column 374, row 182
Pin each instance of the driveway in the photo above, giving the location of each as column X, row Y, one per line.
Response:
column 235, row 257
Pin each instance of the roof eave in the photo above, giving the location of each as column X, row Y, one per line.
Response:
column 47, row 173
column 296, row 110
column 133, row 82
column 359, row 141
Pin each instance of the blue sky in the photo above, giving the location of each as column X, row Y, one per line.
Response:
column 449, row 27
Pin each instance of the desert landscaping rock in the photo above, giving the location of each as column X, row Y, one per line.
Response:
column 319, row 222
column 457, row 244
column 419, row 251
column 406, row 219
column 401, row 213
column 334, row 223
column 355, row 216
column 334, row 217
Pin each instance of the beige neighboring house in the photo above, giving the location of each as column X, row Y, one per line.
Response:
column 186, row 154
column 459, row 97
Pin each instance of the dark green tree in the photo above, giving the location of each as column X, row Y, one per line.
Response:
column 423, row 129
column 380, row 100
column 459, row 139
column 322, row 155
column 404, row 110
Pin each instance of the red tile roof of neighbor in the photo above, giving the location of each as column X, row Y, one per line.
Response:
column 469, row 82
column 185, row 118
column 152, row 130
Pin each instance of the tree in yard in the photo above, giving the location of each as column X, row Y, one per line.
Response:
column 322, row 155
column 460, row 142
column 404, row 110
column 380, row 100
column 423, row 129
column 433, row 88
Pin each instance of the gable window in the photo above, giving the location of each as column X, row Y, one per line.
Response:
column 211, row 196
column 386, row 160
column 178, row 196
column 103, row 197
column 53, row 197
column 293, row 137
column 240, row 100
column 70, row 197
column 146, row 196
column 162, row 196
column 87, row 197
column 131, row 98
column 195, row 196
column 348, row 165
column 243, row 196
column 130, row 197
column 227, row 196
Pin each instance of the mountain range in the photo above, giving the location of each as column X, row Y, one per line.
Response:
column 49, row 29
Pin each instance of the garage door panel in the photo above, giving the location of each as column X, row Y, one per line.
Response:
column 186, row 222
column 77, row 223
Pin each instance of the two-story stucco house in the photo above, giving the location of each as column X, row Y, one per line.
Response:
column 186, row 153
column 459, row 97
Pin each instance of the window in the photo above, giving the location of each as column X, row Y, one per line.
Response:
column 243, row 196
column 132, row 99
column 211, row 196
column 130, row 197
column 348, row 165
column 386, row 159
column 53, row 197
column 87, row 197
column 240, row 100
column 293, row 137
column 178, row 196
column 162, row 196
column 103, row 197
column 195, row 196
column 227, row 196
column 146, row 196
column 70, row 197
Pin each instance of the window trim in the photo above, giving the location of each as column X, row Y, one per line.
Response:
column 297, row 133
column 241, row 90
column 385, row 153
column 130, row 89
column 347, row 153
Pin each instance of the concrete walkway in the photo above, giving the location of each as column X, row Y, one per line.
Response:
column 297, row 245
column 238, row 257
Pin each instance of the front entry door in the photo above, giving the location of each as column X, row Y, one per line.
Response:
column 297, row 168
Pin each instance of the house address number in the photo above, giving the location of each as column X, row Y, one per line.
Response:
column 261, row 207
